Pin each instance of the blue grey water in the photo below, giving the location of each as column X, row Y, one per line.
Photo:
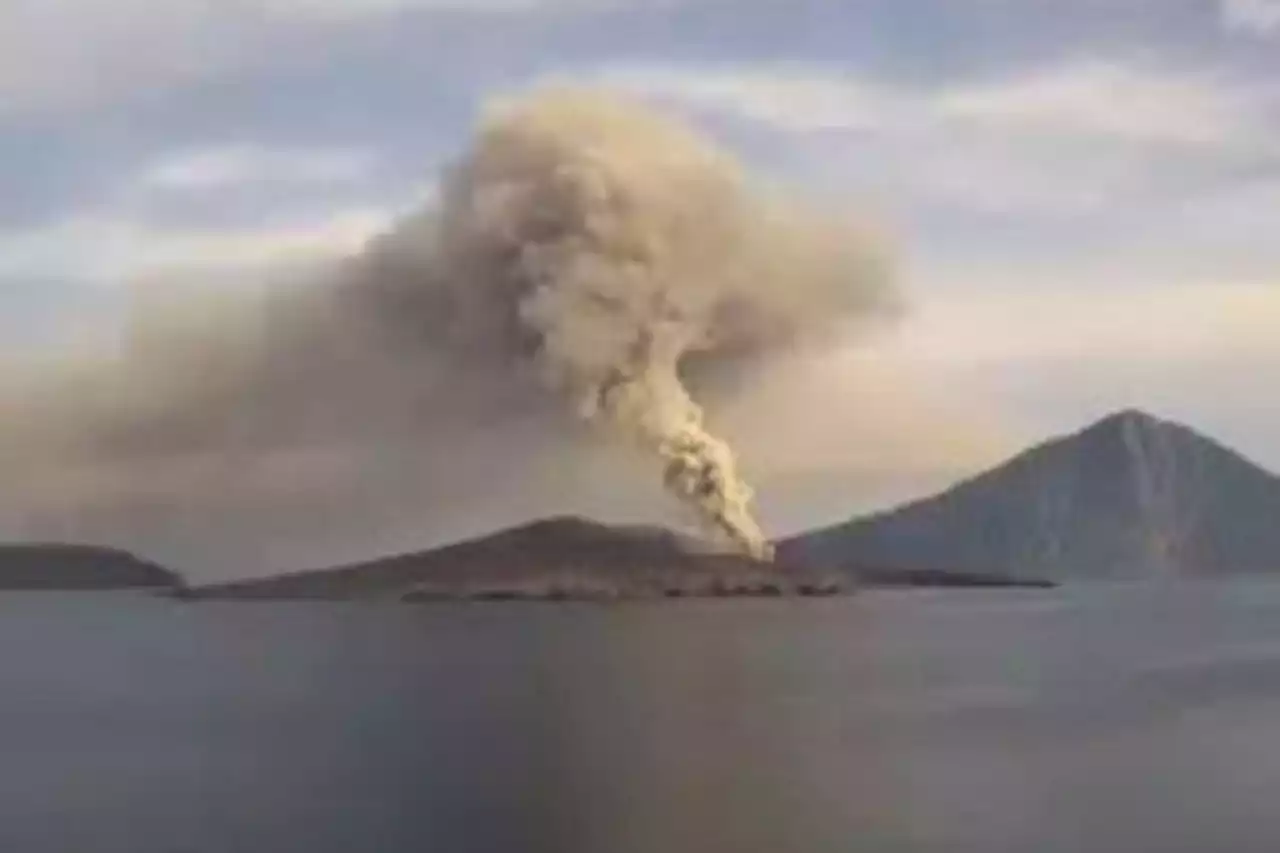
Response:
column 1109, row 718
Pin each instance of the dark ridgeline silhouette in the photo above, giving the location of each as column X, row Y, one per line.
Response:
column 554, row 559
column 1131, row 497
column 77, row 567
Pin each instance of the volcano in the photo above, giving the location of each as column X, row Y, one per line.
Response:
column 1130, row 497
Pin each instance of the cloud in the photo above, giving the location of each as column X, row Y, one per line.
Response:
column 235, row 165
column 1260, row 17
column 1049, row 140
column 391, row 396
column 111, row 250
column 1083, row 100
column 1051, row 350
column 1160, row 324
column 57, row 54
column 340, row 10
column 1076, row 98
column 70, row 55
column 882, row 407
column 792, row 97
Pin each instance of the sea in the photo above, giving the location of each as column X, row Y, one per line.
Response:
column 1086, row 719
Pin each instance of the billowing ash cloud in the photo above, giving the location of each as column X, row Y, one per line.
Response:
column 609, row 243
column 584, row 244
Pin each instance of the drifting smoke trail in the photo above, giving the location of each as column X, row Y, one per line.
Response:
column 584, row 238
column 621, row 243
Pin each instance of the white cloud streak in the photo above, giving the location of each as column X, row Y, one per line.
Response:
column 1110, row 101
column 236, row 165
column 1078, row 99
column 71, row 55
column 110, row 250
column 1072, row 138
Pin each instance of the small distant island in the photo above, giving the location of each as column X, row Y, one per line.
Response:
column 78, row 567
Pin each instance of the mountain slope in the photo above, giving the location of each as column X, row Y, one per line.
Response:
column 1130, row 497
column 76, row 567
column 554, row 558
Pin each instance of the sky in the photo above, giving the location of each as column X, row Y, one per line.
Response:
column 1081, row 196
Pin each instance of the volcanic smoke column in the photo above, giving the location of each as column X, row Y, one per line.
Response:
column 615, row 242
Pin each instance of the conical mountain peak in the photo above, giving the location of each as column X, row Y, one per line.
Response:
column 1132, row 495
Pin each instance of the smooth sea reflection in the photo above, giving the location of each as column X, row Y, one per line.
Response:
column 1096, row 719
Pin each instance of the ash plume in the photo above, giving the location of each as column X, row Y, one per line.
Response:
column 584, row 243
column 616, row 242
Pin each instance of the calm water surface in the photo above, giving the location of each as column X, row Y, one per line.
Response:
column 1123, row 719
